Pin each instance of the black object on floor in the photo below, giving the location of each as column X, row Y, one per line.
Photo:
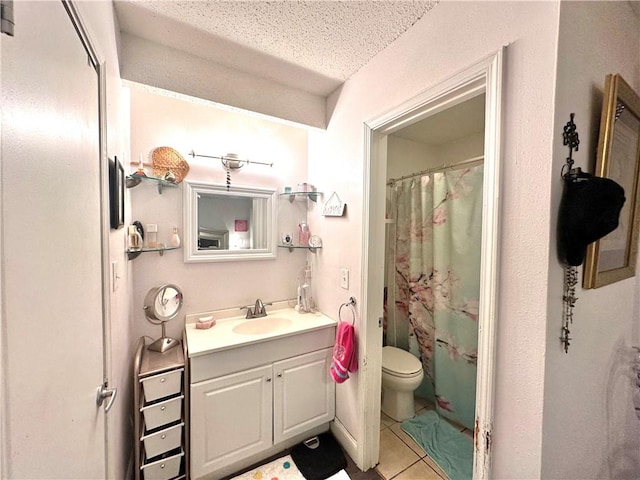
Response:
column 319, row 457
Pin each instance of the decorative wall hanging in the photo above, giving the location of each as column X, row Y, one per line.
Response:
column 168, row 164
column 613, row 258
column 589, row 210
column 334, row 207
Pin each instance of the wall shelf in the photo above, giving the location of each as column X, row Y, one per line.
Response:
column 313, row 196
column 131, row 254
column 134, row 180
column 293, row 247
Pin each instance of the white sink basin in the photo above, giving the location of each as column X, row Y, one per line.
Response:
column 260, row 326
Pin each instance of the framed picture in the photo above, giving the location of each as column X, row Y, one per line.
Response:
column 613, row 257
column 116, row 193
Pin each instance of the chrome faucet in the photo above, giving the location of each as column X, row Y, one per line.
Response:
column 258, row 310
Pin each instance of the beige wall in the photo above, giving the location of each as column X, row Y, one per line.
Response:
column 186, row 124
column 590, row 428
column 454, row 35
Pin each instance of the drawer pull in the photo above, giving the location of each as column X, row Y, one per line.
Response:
column 163, row 437
column 268, row 379
column 163, row 408
column 162, row 466
column 280, row 375
column 162, row 380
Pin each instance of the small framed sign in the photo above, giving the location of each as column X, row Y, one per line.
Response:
column 334, row 207
column 242, row 225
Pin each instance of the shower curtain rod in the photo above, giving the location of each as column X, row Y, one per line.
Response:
column 451, row 166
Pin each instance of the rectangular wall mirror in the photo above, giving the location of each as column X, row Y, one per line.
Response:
column 225, row 225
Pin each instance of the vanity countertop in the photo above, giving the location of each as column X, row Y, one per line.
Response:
column 222, row 336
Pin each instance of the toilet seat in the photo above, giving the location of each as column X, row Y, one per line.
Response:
column 400, row 363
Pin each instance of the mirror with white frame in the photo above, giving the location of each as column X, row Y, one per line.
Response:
column 223, row 224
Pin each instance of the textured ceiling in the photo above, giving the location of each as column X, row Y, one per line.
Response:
column 311, row 45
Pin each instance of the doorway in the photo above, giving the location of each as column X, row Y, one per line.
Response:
column 482, row 79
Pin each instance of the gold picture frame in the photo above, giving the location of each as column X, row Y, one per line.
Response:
column 613, row 257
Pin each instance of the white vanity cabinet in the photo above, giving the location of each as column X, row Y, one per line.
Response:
column 251, row 402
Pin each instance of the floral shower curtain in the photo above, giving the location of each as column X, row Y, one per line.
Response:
column 433, row 265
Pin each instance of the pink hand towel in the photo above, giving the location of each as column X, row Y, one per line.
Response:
column 344, row 353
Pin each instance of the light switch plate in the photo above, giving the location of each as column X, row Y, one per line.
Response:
column 344, row 278
column 115, row 276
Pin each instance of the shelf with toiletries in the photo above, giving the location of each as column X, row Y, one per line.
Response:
column 304, row 189
column 131, row 254
column 135, row 179
column 138, row 245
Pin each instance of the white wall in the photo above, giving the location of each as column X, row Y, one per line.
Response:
column 451, row 37
column 184, row 124
column 590, row 428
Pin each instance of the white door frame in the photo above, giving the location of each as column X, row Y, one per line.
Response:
column 482, row 77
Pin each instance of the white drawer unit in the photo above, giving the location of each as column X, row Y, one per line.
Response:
column 163, row 385
column 161, row 407
column 162, row 413
column 163, row 469
column 162, row 441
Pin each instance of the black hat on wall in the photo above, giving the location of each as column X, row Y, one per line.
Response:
column 589, row 210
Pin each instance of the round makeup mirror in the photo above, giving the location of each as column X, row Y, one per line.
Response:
column 161, row 305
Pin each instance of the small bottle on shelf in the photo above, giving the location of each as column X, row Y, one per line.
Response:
column 152, row 235
column 175, row 238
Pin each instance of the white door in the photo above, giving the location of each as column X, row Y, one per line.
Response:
column 230, row 419
column 52, row 254
column 303, row 394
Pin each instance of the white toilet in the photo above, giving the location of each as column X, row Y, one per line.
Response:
column 401, row 375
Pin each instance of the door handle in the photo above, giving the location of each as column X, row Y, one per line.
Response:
column 105, row 392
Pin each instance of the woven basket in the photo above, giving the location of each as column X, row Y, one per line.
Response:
column 166, row 159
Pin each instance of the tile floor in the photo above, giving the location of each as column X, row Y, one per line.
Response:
column 403, row 459
column 400, row 457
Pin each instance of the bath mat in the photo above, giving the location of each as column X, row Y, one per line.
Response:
column 449, row 448
column 282, row 468
column 319, row 458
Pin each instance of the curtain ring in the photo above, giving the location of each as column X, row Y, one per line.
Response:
column 350, row 303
